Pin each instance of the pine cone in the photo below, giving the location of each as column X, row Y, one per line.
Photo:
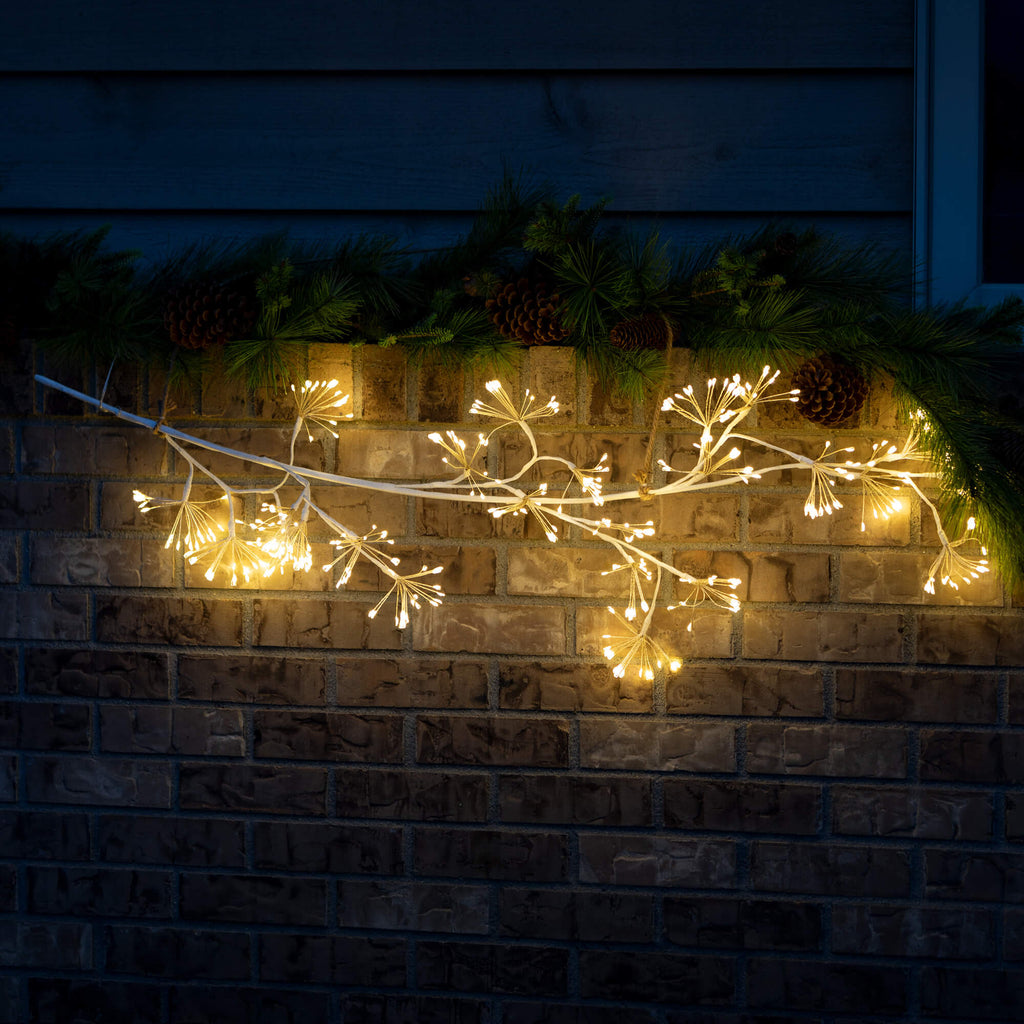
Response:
column 647, row 331
column 526, row 311
column 201, row 315
column 830, row 390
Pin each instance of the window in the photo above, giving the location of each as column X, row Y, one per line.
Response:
column 969, row 179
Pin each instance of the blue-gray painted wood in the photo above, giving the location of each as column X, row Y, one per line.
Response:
column 72, row 35
column 157, row 234
column 837, row 141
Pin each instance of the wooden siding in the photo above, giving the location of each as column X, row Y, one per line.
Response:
column 226, row 120
column 347, row 35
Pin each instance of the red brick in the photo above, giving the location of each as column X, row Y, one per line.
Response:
column 441, row 739
column 103, row 450
column 780, row 518
column 827, row 750
column 439, row 390
column 382, row 372
column 569, row 686
column 235, row 1002
column 390, row 455
column 710, row 636
column 814, row 985
column 324, row 960
column 46, row 946
column 915, row 813
column 360, row 510
column 764, row 576
column 327, row 848
column 898, row 577
column 49, row 998
column 44, row 506
column 972, row 993
column 161, row 730
column 327, row 736
column 655, row 746
column 259, row 680
column 412, row 682
column 253, row 899
column 273, row 790
column 125, row 562
column 914, row 696
column 973, row 756
column 414, row 906
column 742, row 806
column 177, row 953
column 637, row 859
column 86, row 673
column 558, row 570
column 970, row 639
column 34, row 615
column 489, row 853
column 938, row 932
column 822, row 636
column 829, row 870
column 480, row 628
column 464, row 519
column 99, row 892
column 265, row 442
column 489, row 967
column 169, row 620
column 465, row 570
column 313, row 623
column 581, row 915
column 10, row 557
column 660, row 977
column 974, row 876
column 105, row 782
column 694, row 517
column 749, row 690
column 575, row 800
column 178, row 840
column 714, row 923
column 626, row 452
column 403, row 794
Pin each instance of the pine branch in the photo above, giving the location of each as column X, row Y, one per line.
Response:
column 556, row 228
column 496, row 233
column 589, row 279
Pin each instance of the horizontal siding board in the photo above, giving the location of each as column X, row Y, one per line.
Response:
column 238, row 35
column 157, row 234
column 686, row 142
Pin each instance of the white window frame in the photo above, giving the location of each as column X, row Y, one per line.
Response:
column 949, row 67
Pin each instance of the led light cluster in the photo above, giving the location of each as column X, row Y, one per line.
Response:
column 208, row 532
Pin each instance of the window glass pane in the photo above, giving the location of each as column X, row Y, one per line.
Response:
column 1003, row 210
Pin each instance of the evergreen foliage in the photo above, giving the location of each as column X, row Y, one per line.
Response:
column 777, row 296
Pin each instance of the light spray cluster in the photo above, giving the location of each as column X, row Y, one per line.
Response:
column 277, row 538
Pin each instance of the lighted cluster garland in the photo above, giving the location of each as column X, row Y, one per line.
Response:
column 279, row 537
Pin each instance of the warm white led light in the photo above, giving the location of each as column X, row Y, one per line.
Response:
column 278, row 537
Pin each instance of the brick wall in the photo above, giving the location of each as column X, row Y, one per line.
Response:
column 257, row 804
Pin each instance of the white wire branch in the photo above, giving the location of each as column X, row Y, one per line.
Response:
column 278, row 537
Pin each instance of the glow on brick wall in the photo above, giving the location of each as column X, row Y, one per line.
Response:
column 552, row 489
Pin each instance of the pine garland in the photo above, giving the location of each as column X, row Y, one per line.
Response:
column 776, row 296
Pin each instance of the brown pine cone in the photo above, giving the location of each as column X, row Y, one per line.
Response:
column 831, row 390
column 647, row 331
column 526, row 311
column 202, row 315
